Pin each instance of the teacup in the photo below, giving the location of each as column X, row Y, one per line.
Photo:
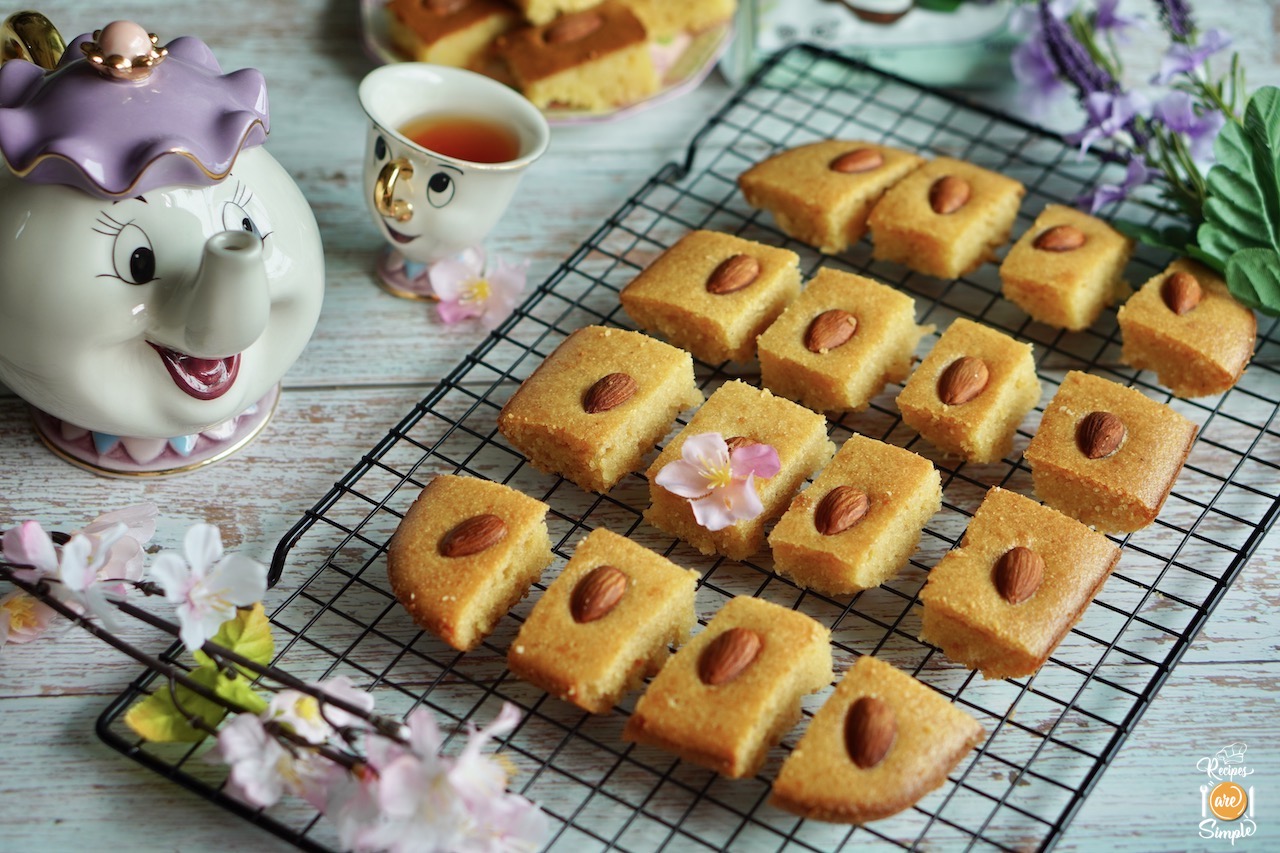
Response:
column 431, row 204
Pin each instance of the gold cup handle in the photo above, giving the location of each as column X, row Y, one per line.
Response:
column 384, row 190
column 33, row 37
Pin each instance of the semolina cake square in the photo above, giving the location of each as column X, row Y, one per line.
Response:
column 946, row 218
column 544, row 11
column 1067, row 268
column 980, row 429
column 713, row 294
column 707, row 710
column 593, row 60
column 455, row 35
column 822, row 193
column 1117, row 491
column 840, row 342
column 927, row 738
column 598, row 404
column 860, row 521
column 666, row 19
column 738, row 411
column 605, row 623
column 1202, row 350
column 464, row 553
column 974, row 616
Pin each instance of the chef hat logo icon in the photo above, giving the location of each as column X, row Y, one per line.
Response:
column 1233, row 753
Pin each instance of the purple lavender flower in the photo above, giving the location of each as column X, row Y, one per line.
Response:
column 1109, row 114
column 1070, row 56
column 1182, row 58
column 1177, row 112
column 1136, row 174
column 1036, row 71
column 1177, row 18
column 1107, row 19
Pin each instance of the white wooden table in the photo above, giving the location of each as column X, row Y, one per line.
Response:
column 373, row 357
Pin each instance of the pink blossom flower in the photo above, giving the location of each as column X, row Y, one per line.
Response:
column 80, row 565
column 263, row 769
column 28, row 545
column 207, row 586
column 426, row 802
column 312, row 720
column 720, row 485
column 467, row 290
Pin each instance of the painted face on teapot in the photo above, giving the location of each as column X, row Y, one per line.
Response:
column 159, row 271
column 160, row 314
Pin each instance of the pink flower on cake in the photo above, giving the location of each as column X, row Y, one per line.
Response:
column 719, row 483
column 207, row 586
column 467, row 290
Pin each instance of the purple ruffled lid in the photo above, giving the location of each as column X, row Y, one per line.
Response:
column 184, row 125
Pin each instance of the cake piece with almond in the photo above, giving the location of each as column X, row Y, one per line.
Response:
column 464, row 553
column 713, row 294
column 860, row 521
column 598, row 404
column 1186, row 326
column 822, row 193
column 840, row 342
column 971, row 391
column 605, row 623
column 1066, row 268
column 1022, row 575
column 1106, row 454
column 946, row 218
column 880, row 743
column 594, row 59
column 734, row 690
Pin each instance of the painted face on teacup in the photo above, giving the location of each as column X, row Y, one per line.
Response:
column 162, row 314
column 429, row 205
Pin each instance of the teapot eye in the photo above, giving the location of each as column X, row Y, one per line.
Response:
column 236, row 218
column 132, row 256
column 440, row 189
column 380, row 148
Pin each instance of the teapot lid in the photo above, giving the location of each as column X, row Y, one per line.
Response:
column 118, row 127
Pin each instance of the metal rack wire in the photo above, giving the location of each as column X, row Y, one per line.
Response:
column 1049, row 736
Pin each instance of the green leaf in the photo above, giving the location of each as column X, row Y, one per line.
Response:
column 248, row 635
column 158, row 719
column 1243, row 207
column 1175, row 238
column 939, row 5
column 1253, row 276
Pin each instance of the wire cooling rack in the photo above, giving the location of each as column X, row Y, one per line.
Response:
column 1048, row 736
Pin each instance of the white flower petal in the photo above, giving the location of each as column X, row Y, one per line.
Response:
column 238, row 580
column 682, row 479
column 173, row 574
column 203, row 547
column 74, row 568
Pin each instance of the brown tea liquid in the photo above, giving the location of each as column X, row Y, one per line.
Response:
column 476, row 140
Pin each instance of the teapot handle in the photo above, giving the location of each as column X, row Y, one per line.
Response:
column 33, row 37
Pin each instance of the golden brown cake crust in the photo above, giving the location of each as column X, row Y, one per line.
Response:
column 730, row 727
column 964, row 612
column 903, row 492
column 532, row 57
column 593, row 663
column 1203, row 351
column 738, row 409
column 430, row 26
column 820, row 781
column 982, row 429
column 547, row 418
column 459, row 599
column 1125, row 490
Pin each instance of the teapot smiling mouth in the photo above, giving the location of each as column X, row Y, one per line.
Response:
column 202, row 378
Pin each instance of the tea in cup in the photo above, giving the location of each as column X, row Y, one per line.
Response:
column 447, row 149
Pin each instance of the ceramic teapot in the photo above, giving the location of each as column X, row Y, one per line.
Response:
column 159, row 270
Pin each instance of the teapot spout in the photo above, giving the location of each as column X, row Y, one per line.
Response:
column 226, row 308
column 33, row 37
